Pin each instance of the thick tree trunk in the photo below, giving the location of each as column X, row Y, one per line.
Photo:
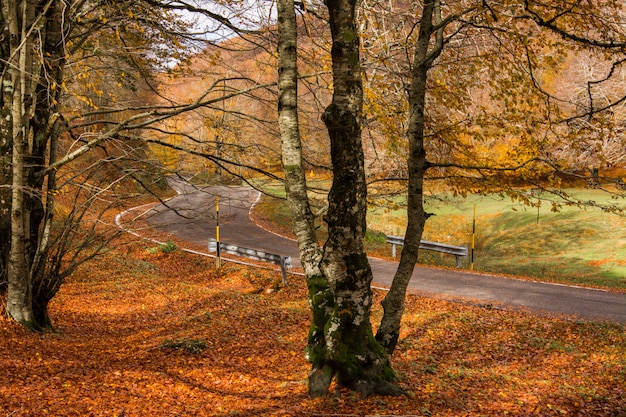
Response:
column 393, row 304
column 320, row 297
column 29, row 101
column 20, row 18
column 341, row 342
column 45, row 141
column 353, row 354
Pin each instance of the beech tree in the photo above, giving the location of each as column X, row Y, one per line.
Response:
column 520, row 87
column 27, row 111
column 75, row 125
column 341, row 342
column 338, row 275
column 319, row 293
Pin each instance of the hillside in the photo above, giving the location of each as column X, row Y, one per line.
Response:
column 476, row 113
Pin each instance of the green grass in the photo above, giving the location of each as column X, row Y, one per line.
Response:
column 579, row 247
column 576, row 245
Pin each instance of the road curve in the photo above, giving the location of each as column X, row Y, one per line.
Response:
column 192, row 217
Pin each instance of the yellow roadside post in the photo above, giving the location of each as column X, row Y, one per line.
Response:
column 217, row 232
column 473, row 239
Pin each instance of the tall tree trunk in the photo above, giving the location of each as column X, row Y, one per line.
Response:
column 6, row 178
column 45, row 141
column 30, row 101
column 20, row 16
column 354, row 355
column 6, row 150
column 424, row 56
column 341, row 342
column 320, row 297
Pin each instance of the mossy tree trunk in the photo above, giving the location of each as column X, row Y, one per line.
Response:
column 341, row 342
column 347, row 349
column 320, row 297
column 352, row 352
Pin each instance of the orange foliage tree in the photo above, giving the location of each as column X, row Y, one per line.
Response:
column 480, row 113
column 72, row 105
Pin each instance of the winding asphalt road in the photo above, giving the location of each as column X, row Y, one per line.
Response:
column 192, row 217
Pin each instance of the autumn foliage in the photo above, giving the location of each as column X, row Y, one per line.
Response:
column 161, row 333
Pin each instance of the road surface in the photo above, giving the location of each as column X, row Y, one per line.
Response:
column 192, row 217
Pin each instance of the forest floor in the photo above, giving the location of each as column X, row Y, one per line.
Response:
column 147, row 331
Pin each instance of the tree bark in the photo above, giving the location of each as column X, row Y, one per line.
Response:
column 353, row 354
column 320, row 297
column 34, row 27
column 341, row 341
column 6, row 178
column 424, row 56
column 45, row 141
column 20, row 16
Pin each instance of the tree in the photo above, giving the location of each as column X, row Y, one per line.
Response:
column 341, row 341
column 43, row 118
column 539, row 111
column 358, row 359
column 516, row 95
column 320, row 295
column 24, row 24
column 423, row 59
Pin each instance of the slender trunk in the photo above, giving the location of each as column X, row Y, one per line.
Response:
column 20, row 17
column 320, row 297
column 6, row 149
column 393, row 304
column 19, row 296
column 6, row 175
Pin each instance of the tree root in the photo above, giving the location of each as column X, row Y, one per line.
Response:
column 370, row 388
column 319, row 381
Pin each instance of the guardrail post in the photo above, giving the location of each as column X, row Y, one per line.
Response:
column 283, row 269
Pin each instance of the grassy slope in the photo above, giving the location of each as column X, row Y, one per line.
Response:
column 147, row 333
column 574, row 245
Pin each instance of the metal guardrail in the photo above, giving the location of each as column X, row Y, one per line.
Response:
column 283, row 261
column 457, row 251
